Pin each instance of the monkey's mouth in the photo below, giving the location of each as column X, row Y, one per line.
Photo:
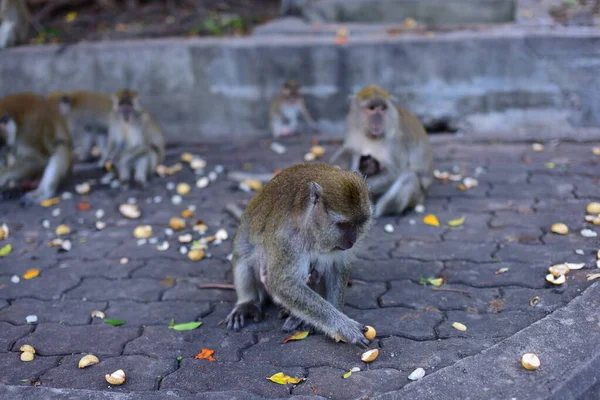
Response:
column 375, row 134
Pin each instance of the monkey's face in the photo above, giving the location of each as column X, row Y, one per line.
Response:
column 291, row 90
column 129, row 110
column 375, row 117
column 64, row 106
column 8, row 131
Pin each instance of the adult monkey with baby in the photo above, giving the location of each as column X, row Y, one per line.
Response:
column 34, row 133
column 135, row 141
column 90, row 111
column 390, row 146
column 14, row 23
column 298, row 234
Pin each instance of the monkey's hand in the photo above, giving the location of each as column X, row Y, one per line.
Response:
column 236, row 318
column 352, row 332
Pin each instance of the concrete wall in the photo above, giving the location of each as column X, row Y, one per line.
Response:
column 488, row 83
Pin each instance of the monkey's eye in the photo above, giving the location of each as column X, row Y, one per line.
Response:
column 383, row 107
column 372, row 107
column 344, row 226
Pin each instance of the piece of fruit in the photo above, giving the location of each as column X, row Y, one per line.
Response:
column 559, row 269
column 183, row 188
column 593, row 208
column 530, row 361
column 459, row 327
column 558, row 280
column 116, row 378
column 27, row 356
column 196, row 255
column 63, row 230
column 88, row 360
column 370, row 333
column 130, row 211
column 370, row 355
column 27, row 348
column 142, row 231
column 560, row 228
column 177, row 224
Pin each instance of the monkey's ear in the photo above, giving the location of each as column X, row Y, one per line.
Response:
column 315, row 193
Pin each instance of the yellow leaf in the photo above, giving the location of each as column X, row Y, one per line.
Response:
column 50, row 202
column 297, row 336
column 431, row 220
column 282, row 379
column 31, row 273
column 436, row 281
column 4, row 251
column 347, row 374
column 457, row 222
column 550, row 165
column 70, row 17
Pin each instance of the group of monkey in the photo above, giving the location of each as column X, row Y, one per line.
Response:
column 296, row 238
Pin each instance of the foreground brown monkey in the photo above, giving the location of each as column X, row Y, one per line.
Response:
column 297, row 234
column 389, row 145
column 135, row 140
column 286, row 109
column 89, row 111
column 14, row 23
column 36, row 135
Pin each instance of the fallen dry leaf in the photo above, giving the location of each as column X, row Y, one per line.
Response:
column 282, row 379
column 84, row 206
column 205, row 354
column 456, row 222
column 63, row 230
column 4, row 251
column 31, row 273
column 431, row 220
column 187, row 213
column 297, row 336
column 50, row 202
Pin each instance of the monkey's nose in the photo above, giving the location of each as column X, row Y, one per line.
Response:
column 347, row 244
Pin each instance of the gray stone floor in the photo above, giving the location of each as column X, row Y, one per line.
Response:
column 508, row 219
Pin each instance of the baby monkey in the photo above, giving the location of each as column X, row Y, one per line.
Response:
column 286, row 109
column 297, row 237
column 388, row 144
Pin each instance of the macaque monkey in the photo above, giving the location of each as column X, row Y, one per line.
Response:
column 389, row 145
column 286, row 109
column 36, row 135
column 297, row 237
column 293, row 7
column 89, row 111
column 135, row 141
column 14, row 23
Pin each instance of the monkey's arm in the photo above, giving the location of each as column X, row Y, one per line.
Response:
column 289, row 289
column 306, row 114
column 23, row 168
column 344, row 158
column 381, row 182
column 336, row 280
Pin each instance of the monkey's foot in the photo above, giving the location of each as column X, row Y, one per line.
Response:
column 237, row 317
column 35, row 197
column 293, row 324
column 353, row 333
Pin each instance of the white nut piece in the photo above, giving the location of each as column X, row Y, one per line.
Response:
column 27, row 348
column 27, row 356
column 97, row 314
column 83, row 188
column 88, row 360
column 130, row 211
column 530, row 361
column 187, row 238
column 116, row 378
column 559, row 269
column 559, row 280
column 416, row 374
column 369, row 355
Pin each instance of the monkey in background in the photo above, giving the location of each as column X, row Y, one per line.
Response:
column 286, row 109
column 296, row 236
column 89, row 111
column 389, row 145
column 14, row 23
column 135, row 141
column 35, row 135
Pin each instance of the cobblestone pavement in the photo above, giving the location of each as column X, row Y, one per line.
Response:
column 521, row 193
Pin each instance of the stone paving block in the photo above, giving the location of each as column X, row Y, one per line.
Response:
column 14, row 371
column 489, row 205
column 202, row 375
column 141, row 373
column 484, row 274
column 536, row 254
column 162, row 342
column 213, row 270
column 543, row 220
column 10, row 334
column 49, row 285
column 156, row 312
column 487, row 326
column 3, row 304
column 395, row 269
column 449, row 297
column 361, row 294
column 57, row 339
column 328, row 382
column 376, row 248
column 527, row 191
column 585, row 186
column 450, row 190
column 502, row 177
column 398, row 321
column 407, row 355
column 70, row 312
column 409, row 227
column 518, row 299
column 19, row 265
column 315, row 350
column 141, row 289
column 105, row 268
column 506, row 234
column 447, row 250
column 188, row 291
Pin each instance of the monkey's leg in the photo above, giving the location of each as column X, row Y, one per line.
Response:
column 23, row 168
column 127, row 161
column 307, row 305
column 87, row 143
column 141, row 168
column 400, row 194
column 7, row 34
column 248, row 297
column 56, row 170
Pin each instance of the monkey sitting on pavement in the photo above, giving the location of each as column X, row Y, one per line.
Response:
column 296, row 236
column 286, row 109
